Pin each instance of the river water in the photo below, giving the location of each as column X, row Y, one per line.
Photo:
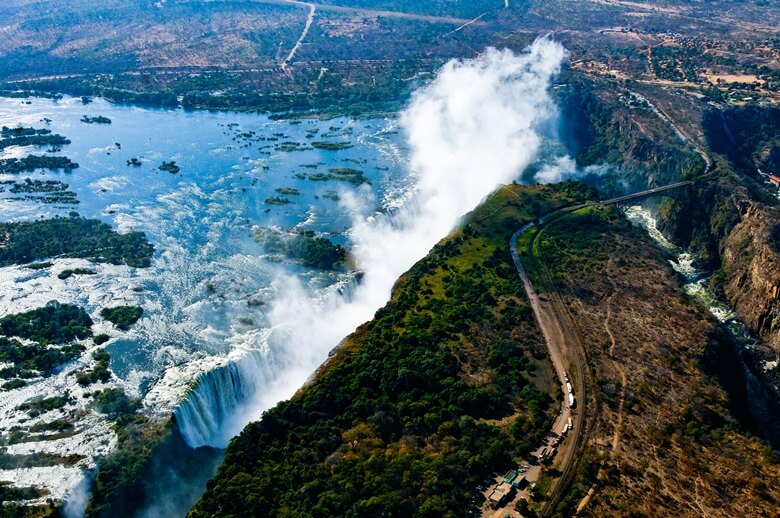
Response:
column 207, row 293
column 696, row 284
column 747, row 370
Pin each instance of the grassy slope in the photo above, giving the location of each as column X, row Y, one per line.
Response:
column 420, row 403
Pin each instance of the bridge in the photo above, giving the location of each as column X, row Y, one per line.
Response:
column 638, row 196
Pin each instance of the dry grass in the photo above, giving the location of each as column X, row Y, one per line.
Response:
column 680, row 453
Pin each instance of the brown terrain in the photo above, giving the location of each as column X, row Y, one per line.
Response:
column 662, row 441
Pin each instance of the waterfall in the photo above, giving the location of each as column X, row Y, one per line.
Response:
column 206, row 416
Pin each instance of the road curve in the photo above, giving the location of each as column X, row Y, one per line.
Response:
column 566, row 350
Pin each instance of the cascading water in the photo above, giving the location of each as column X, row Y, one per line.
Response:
column 204, row 415
column 465, row 142
column 751, row 382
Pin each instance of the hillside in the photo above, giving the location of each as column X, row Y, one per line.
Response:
column 668, row 438
column 416, row 407
column 447, row 384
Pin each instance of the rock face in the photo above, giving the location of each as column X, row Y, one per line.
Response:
column 728, row 218
column 752, row 268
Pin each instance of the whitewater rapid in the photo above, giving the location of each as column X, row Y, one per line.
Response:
column 476, row 126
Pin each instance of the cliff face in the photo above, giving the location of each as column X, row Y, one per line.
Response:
column 728, row 217
column 752, row 271
column 733, row 233
column 669, row 434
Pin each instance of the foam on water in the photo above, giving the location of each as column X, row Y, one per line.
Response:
column 196, row 295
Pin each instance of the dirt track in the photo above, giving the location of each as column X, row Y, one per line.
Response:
column 566, row 351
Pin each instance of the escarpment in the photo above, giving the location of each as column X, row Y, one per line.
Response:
column 751, row 264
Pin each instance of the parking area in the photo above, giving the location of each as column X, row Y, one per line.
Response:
column 499, row 495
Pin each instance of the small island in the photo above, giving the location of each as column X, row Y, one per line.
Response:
column 277, row 200
column 331, row 146
column 122, row 316
column 99, row 119
column 171, row 167
column 30, row 163
column 29, row 241
column 22, row 136
column 67, row 274
column 343, row 174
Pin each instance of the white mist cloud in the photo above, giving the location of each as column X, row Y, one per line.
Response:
column 565, row 168
column 77, row 498
column 470, row 130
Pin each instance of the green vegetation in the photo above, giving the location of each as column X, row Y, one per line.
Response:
column 313, row 252
column 10, row 494
column 28, row 359
column 344, row 174
column 316, row 252
column 171, row 167
column 118, row 476
column 288, row 147
column 331, row 195
column 277, row 200
column 122, row 316
column 288, row 191
column 99, row 372
column 58, row 425
column 43, row 191
column 54, row 323
column 40, row 406
column 25, row 242
column 66, row 274
column 563, row 240
column 39, row 266
column 331, row 146
column 21, row 131
column 30, row 137
column 32, row 162
column 13, row 384
column 420, row 403
column 95, row 120
column 101, row 339
column 115, row 403
column 37, row 459
column 135, row 162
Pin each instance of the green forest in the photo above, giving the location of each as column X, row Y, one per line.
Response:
column 91, row 239
column 122, row 316
column 420, row 403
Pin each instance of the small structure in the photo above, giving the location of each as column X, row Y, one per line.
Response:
column 774, row 179
column 510, row 476
column 500, row 495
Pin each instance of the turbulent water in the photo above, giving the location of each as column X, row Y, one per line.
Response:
column 229, row 330
column 751, row 371
column 207, row 293
column 696, row 280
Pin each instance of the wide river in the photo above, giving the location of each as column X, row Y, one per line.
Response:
column 207, row 293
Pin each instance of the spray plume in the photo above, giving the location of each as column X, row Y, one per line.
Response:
column 471, row 129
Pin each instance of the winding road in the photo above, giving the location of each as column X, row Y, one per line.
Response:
column 309, row 21
column 566, row 350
